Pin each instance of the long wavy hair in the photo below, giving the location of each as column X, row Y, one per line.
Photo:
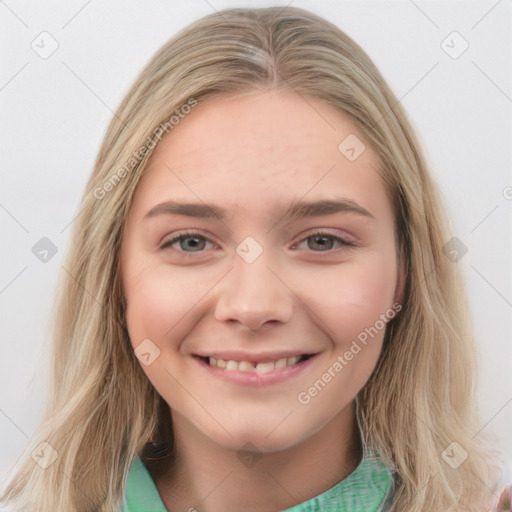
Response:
column 102, row 410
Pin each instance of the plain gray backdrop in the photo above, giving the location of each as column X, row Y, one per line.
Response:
column 65, row 66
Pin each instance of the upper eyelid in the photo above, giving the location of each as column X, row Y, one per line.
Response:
column 174, row 239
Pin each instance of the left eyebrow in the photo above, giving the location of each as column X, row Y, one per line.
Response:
column 296, row 210
column 303, row 209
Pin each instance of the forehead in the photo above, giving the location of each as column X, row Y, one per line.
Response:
column 258, row 150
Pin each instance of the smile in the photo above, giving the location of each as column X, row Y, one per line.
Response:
column 258, row 371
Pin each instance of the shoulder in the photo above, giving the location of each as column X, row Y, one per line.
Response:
column 503, row 502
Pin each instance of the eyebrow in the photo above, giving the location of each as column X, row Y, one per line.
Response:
column 296, row 210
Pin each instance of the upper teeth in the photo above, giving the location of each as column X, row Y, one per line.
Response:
column 246, row 366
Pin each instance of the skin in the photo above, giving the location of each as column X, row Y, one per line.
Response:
column 253, row 153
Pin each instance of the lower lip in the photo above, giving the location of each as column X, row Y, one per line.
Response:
column 255, row 378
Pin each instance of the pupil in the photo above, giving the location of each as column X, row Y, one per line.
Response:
column 193, row 243
column 320, row 241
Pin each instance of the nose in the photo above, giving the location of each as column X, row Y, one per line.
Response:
column 254, row 295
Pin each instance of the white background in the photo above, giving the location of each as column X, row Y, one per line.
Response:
column 54, row 112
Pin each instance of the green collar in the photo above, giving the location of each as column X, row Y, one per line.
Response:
column 367, row 489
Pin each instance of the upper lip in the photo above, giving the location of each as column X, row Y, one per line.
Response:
column 254, row 358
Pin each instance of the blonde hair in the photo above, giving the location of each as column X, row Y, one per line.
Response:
column 102, row 410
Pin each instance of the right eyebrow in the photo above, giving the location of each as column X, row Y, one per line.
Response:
column 199, row 210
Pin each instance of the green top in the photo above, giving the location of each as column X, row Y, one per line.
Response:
column 367, row 489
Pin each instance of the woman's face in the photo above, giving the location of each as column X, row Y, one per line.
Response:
column 287, row 251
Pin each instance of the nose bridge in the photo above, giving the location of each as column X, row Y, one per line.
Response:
column 251, row 293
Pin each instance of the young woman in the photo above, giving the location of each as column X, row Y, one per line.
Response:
column 257, row 314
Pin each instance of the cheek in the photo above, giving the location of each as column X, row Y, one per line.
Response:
column 156, row 301
column 349, row 298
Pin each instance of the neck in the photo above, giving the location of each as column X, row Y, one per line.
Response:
column 206, row 477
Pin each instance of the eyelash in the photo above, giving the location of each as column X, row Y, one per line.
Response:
column 169, row 243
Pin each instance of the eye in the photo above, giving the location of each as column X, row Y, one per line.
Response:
column 190, row 240
column 321, row 242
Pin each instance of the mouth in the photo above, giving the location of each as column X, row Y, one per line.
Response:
column 265, row 365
